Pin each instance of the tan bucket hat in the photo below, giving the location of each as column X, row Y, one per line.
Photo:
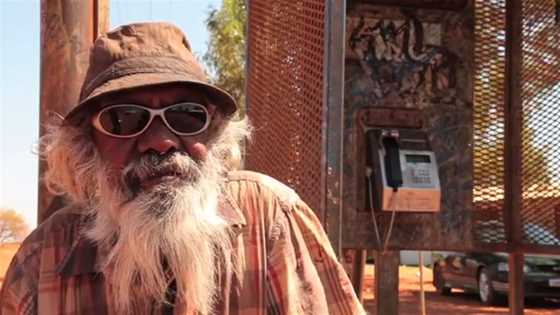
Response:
column 142, row 55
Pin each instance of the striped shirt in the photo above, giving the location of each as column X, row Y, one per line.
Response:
column 287, row 263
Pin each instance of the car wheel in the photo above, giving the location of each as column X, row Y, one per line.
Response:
column 439, row 282
column 486, row 291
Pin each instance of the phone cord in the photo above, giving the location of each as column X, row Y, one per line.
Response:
column 382, row 245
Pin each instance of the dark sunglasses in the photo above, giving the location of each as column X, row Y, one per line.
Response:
column 129, row 120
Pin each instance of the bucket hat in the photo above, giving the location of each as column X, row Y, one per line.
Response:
column 143, row 55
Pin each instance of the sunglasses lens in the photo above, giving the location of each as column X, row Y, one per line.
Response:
column 124, row 120
column 186, row 118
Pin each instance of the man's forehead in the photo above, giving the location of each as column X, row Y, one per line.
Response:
column 157, row 95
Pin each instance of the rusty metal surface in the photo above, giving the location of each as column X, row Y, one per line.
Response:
column 68, row 29
column 332, row 206
column 489, row 120
column 285, row 93
column 439, row 85
column 516, row 287
column 391, row 117
column 423, row 4
column 540, row 107
column 512, row 158
column 461, row 92
column 517, row 173
column 101, row 13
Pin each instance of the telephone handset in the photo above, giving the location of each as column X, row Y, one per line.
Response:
column 392, row 162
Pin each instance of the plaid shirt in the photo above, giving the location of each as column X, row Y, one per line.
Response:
column 288, row 265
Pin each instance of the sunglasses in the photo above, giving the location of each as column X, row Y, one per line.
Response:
column 129, row 120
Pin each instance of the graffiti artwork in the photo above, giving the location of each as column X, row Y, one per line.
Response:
column 402, row 61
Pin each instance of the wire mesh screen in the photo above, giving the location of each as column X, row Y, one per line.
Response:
column 285, row 92
column 488, row 117
column 541, row 117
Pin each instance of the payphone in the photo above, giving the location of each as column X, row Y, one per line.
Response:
column 405, row 171
column 400, row 161
column 401, row 168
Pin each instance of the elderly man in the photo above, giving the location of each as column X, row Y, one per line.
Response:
column 158, row 221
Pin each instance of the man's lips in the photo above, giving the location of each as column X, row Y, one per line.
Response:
column 157, row 178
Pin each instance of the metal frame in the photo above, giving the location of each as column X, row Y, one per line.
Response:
column 512, row 180
column 423, row 4
column 248, row 64
column 333, row 122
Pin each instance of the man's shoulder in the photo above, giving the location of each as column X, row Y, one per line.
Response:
column 56, row 231
column 262, row 186
column 63, row 219
column 60, row 226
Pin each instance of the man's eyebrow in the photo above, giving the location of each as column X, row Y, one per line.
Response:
column 199, row 98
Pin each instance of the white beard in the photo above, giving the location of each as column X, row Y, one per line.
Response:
column 171, row 231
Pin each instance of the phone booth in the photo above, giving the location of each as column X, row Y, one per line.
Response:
column 405, row 124
column 408, row 108
column 374, row 129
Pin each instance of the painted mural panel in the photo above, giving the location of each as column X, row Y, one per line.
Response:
column 413, row 59
column 403, row 62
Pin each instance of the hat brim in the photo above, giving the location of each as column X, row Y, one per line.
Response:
column 216, row 96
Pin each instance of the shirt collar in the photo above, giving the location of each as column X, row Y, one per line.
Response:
column 84, row 256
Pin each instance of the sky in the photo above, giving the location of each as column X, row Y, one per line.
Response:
column 19, row 82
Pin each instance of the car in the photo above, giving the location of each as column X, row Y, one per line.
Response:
column 487, row 274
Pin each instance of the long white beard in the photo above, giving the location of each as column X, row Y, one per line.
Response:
column 170, row 232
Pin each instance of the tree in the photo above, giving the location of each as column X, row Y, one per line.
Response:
column 225, row 56
column 12, row 226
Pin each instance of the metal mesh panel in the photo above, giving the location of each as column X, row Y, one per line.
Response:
column 488, row 142
column 285, row 92
column 541, row 117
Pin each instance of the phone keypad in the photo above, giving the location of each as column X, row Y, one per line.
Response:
column 421, row 176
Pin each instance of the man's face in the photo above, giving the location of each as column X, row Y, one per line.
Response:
column 158, row 196
column 157, row 138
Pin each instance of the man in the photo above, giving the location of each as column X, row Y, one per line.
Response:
column 158, row 221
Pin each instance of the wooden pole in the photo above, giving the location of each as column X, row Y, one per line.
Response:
column 358, row 271
column 68, row 28
column 513, row 151
column 101, row 19
column 387, row 283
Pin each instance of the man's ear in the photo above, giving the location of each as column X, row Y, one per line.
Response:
column 218, row 121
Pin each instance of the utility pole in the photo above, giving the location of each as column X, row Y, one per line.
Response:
column 68, row 29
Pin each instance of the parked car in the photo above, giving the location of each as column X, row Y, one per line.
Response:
column 487, row 274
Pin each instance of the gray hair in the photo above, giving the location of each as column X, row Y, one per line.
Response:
column 72, row 159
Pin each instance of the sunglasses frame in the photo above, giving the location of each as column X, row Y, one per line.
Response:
column 159, row 112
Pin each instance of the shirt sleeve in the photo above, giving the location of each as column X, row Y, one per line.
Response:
column 303, row 272
column 18, row 295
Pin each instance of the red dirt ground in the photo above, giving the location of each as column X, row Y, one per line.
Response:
column 459, row 303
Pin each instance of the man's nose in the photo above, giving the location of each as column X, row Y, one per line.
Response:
column 158, row 138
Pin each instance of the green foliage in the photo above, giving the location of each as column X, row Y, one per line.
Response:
column 225, row 57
